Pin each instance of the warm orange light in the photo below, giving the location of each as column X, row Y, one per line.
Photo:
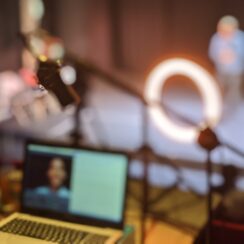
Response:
column 42, row 58
column 206, row 84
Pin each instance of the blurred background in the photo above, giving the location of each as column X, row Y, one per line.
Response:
column 125, row 39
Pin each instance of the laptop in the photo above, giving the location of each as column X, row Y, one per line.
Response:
column 69, row 195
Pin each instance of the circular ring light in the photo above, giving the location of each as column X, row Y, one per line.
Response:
column 206, row 84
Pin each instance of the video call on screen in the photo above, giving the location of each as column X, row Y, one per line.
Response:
column 80, row 182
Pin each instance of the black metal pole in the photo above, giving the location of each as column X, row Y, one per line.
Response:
column 208, row 140
column 209, row 198
column 76, row 134
column 144, row 149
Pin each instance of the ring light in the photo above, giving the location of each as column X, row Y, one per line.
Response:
column 206, row 84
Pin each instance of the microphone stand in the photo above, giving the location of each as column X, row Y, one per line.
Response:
column 207, row 138
column 145, row 149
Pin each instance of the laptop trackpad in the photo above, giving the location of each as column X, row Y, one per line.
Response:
column 6, row 238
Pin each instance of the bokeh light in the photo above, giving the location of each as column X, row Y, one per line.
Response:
column 207, row 86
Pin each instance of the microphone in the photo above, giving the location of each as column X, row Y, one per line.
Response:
column 49, row 77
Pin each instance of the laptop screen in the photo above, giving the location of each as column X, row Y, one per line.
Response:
column 74, row 181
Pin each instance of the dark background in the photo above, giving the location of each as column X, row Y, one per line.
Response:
column 36, row 170
column 123, row 34
column 133, row 35
column 9, row 27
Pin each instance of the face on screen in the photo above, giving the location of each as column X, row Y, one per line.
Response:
column 56, row 173
column 80, row 182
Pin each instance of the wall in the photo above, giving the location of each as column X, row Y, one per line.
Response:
column 132, row 35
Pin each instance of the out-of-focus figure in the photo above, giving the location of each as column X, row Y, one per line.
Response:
column 54, row 195
column 20, row 97
column 226, row 50
column 10, row 85
column 56, row 175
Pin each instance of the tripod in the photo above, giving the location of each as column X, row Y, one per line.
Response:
column 145, row 148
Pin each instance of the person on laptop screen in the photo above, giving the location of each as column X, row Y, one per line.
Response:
column 55, row 195
column 56, row 175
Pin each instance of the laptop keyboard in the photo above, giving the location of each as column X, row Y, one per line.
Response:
column 51, row 233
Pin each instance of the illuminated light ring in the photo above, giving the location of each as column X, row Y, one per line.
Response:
column 206, row 84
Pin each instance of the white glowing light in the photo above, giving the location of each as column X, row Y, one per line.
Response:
column 37, row 45
column 206, row 84
column 56, row 51
column 68, row 75
column 36, row 9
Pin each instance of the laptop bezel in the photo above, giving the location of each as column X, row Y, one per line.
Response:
column 68, row 216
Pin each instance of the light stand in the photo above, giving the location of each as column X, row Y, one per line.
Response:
column 208, row 140
column 144, row 150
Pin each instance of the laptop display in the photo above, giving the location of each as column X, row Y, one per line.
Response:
column 78, row 183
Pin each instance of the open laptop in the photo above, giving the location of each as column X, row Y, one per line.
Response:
column 70, row 195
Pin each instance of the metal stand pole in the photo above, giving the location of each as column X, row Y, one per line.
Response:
column 144, row 150
column 208, row 140
column 209, row 198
